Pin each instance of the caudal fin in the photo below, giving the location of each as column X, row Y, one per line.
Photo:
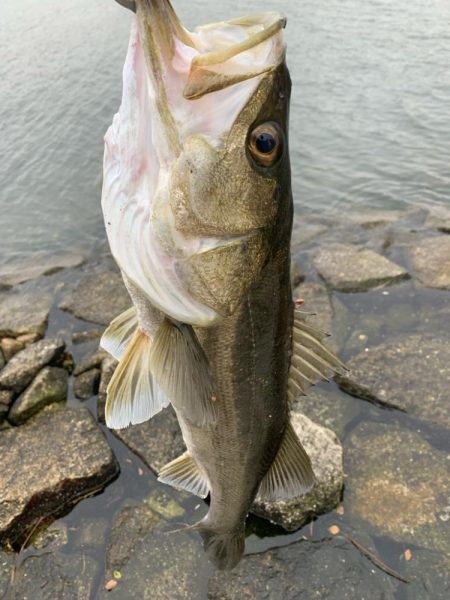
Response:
column 224, row 549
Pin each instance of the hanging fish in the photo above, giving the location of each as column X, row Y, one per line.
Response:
column 198, row 210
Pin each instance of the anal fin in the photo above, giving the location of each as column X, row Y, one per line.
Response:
column 132, row 395
column 180, row 365
column 290, row 474
column 184, row 473
column 118, row 334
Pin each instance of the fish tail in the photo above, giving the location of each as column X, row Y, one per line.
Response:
column 224, row 548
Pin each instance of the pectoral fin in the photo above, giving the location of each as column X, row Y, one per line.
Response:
column 132, row 395
column 290, row 474
column 184, row 473
column 181, row 368
column 117, row 336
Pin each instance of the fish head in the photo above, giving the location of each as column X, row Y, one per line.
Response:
column 196, row 193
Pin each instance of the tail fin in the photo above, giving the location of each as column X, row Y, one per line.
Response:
column 224, row 549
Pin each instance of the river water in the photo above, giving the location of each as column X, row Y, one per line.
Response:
column 370, row 122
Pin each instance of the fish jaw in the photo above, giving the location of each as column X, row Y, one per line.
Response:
column 151, row 227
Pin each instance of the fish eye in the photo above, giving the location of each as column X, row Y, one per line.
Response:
column 266, row 144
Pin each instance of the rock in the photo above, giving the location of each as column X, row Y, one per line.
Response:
column 81, row 337
column 431, row 262
column 73, row 460
column 49, row 386
column 24, row 313
column 322, row 570
column 86, row 384
column 99, row 297
column 28, row 338
column 157, row 441
column 375, row 218
column 296, row 275
column 36, row 265
column 329, row 408
column 152, row 562
column 411, row 373
column 325, row 452
column 2, row 360
column 304, row 232
column 25, row 365
column 398, row 486
column 109, row 365
column 439, row 219
column 350, row 268
column 91, row 361
column 428, row 573
column 10, row 347
column 7, row 562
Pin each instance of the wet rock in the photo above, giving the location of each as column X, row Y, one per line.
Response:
column 91, row 361
column 109, row 365
column 7, row 561
column 329, row 408
column 440, row 220
column 350, row 268
column 157, row 441
column 25, row 365
column 99, row 297
column 398, row 486
column 304, row 232
column 81, row 337
column 431, row 262
column 24, row 313
column 325, row 452
column 411, row 373
column 37, row 265
column 326, row 570
column 376, row 218
column 2, row 360
column 48, row 387
column 151, row 562
column 86, row 384
column 296, row 275
column 47, row 464
column 428, row 573
column 10, row 347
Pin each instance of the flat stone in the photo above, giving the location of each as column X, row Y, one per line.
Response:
column 157, row 441
column 25, row 365
column 22, row 313
column 325, row 452
column 428, row 573
column 431, row 262
column 304, row 232
column 37, row 265
column 152, row 562
column 329, row 408
column 92, row 361
column 48, row 387
column 350, row 268
column 440, row 220
column 411, row 373
column 376, row 218
column 74, row 460
column 7, row 562
column 323, row 570
column 10, row 347
column 398, row 486
column 86, row 384
column 99, row 297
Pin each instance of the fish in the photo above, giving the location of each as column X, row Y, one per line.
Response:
column 198, row 210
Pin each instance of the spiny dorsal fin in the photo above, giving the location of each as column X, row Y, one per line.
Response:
column 290, row 474
column 311, row 360
column 119, row 333
column 132, row 395
column 184, row 473
column 180, row 366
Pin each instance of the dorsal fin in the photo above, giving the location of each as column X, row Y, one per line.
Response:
column 118, row 334
column 290, row 474
column 184, row 473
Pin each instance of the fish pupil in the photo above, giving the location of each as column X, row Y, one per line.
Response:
column 265, row 143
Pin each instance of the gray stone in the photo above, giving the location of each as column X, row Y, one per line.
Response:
column 86, row 384
column 322, row 570
column 7, row 562
column 375, row 218
column 431, row 262
column 2, row 360
column 329, row 408
column 10, row 347
column 81, row 337
column 24, row 313
column 428, row 573
column 325, row 452
column 48, row 387
column 91, row 361
column 398, row 486
column 25, row 365
column 350, row 268
column 36, row 265
column 48, row 463
column 439, row 219
column 157, row 441
column 6, row 397
column 99, row 297
column 304, row 232
column 153, row 562
column 411, row 373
